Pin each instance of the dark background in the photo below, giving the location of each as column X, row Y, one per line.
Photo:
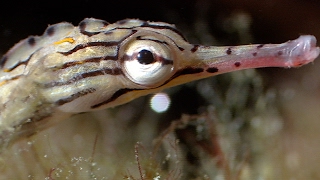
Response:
column 272, row 21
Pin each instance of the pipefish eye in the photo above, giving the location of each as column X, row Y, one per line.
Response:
column 145, row 57
column 147, row 62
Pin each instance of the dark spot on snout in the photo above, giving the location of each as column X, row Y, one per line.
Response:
column 237, row 64
column 212, row 70
column 260, row 46
column 229, row 51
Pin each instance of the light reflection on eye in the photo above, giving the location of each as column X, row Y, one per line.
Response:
column 160, row 102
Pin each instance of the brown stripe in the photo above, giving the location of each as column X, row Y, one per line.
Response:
column 154, row 40
column 5, row 81
column 185, row 71
column 117, row 94
column 146, row 24
column 212, row 70
column 90, row 44
column 25, row 62
column 88, row 33
column 75, row 96
column 173, row 41
column 165, row 61
column 18, row 64
column 94, row 59
column 161, row 42
column 116, row 71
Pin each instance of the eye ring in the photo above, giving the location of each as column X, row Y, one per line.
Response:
column 147, row 62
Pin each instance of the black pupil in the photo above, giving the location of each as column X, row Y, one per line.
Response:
column 145, row 57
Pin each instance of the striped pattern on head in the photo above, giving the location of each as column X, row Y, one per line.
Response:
column 96, row 60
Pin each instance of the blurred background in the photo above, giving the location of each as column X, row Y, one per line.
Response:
column 253, row 124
